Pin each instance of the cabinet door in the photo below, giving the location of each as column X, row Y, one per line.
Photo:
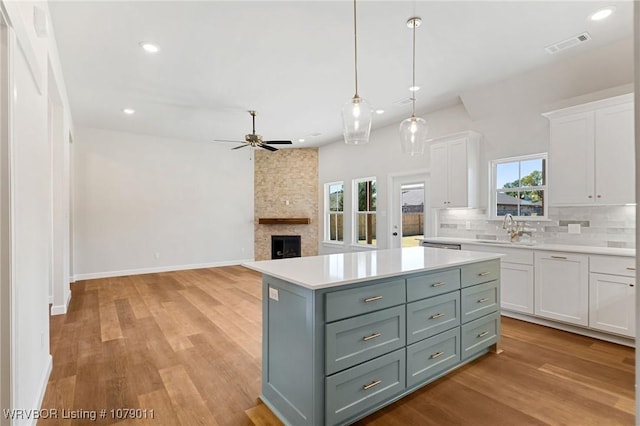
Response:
column 516, row 286
column 562, row 287
column 457, row 173
column 614, row 155
column 612, row 304
column 439, row 172
column 571, row 159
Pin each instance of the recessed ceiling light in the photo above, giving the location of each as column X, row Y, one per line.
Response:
column 300, row 140
column 414, row 88
column 379, row 111
column 129, row 111
column 601, row 14
column 149, row 47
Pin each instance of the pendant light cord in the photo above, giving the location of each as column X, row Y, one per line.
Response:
column 355, row 43
column 413, row 97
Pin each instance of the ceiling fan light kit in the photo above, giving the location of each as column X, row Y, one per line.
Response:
column 357, row 113
column 413, row 130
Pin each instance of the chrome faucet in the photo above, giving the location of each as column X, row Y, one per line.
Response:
column 514, row 228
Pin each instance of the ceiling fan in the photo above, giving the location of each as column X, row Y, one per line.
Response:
column 254, row 140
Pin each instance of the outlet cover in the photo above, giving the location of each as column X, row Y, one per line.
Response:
column 273, row 293
column 573, row 228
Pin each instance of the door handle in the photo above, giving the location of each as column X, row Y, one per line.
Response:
column 395, row 234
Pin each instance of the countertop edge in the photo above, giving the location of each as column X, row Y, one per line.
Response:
column 595, row 250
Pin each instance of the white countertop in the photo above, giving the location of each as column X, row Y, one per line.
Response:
column 316, row 272
column 611, row 251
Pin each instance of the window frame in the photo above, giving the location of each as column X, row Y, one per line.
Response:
column 328, row 212
column 356, row 212
column 493, row 190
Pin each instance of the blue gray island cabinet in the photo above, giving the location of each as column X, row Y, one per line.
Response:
column 343, row 335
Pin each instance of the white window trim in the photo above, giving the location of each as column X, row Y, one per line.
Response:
column 493, row 190
column 327, row 222
column 355, row 211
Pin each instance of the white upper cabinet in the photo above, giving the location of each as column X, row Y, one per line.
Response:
column 454, row 170
column 591, row 153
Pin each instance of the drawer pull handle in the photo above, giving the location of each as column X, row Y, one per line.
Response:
column 371, row 385
column 559, row 257
column 482, row 274
column 372, row 299
column 438, row 315
column 436, row 355
column 484, row 333
column 438, row 284
column 371, row 337
column 631, row 269
column 484, row 299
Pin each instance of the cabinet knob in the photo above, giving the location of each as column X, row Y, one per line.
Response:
column 590, row 196
column 631, row 285
column 599, row 196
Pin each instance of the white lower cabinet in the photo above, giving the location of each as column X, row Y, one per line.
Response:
column 612, row 295
column 517, row 290
column 562, row 287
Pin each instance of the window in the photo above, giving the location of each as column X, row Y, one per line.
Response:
column 364, row 211
column 334, row 208
column 519, row 186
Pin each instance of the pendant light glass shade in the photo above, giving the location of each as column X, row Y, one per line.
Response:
column 356, row 121
column 356, row 113
column 413, row 135
column 413, row 130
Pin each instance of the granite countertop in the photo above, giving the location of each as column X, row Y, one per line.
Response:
column 331, row 270
column 611, row 251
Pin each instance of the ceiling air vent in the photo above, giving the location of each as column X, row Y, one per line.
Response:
column 403, row 101
column 566, row 44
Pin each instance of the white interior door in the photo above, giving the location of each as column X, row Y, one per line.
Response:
column 410, row 212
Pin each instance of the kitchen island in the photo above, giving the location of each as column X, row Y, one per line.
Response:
column 346, row 334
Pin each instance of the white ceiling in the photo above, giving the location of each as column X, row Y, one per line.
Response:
column 292, row 61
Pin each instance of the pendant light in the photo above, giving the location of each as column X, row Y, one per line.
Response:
column 413, row 130
column 356, row 113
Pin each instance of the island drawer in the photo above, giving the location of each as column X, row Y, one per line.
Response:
column 429, row 317
column 357, row 389
column 361, row 300
column 613, row 265
column 429, row 357
column 480, row 334
column 428, row 285
column 479, row 300
column 355, row 340
column 480, row 272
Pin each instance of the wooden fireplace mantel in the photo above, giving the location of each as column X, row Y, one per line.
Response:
column 284, row 221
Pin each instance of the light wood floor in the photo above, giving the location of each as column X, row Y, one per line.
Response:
column 187, row 345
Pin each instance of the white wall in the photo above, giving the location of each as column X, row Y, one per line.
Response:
column 506, row 113
column 143, row 203
column 33, row 65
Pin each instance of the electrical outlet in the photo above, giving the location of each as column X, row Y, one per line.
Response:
column 573, row 228
column 156, row 255
column 273, row 294
column 468, row 225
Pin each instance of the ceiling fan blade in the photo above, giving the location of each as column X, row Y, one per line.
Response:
column 270, row 148
column 279, row 142
column 241, row 146
column 227, row 140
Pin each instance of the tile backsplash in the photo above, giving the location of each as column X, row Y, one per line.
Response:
column 602, row 226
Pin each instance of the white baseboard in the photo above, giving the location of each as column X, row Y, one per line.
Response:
column 572, row 329
column 109, row 274
column 61, row 309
